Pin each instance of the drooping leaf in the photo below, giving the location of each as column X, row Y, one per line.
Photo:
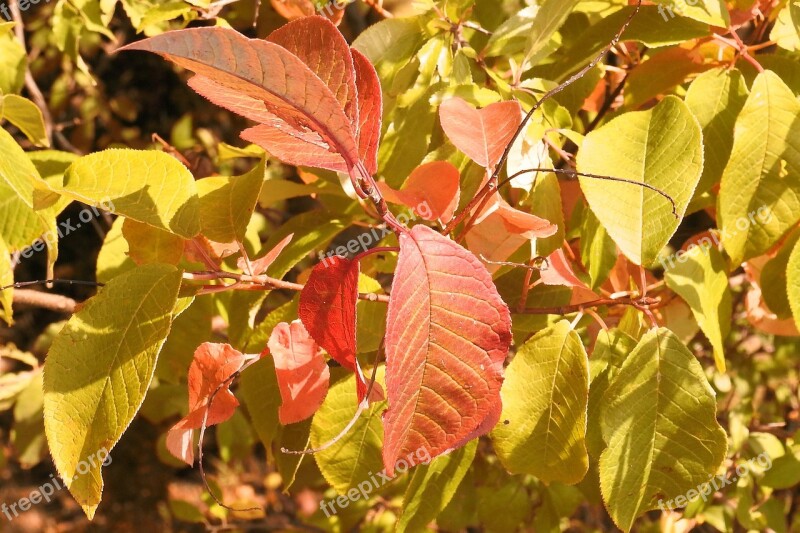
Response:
column 434, row 186
column 700, row 277
column 356, row 456
column 99, row 368
column 659, row 421
column 6, row 279
column 302, row 373
column 763, row 170
column 432, row 486
column 212, row 366
column 543, row 424
column 301, row 118
column 482, row 134
column 443, row 387
column 328, row 311
column 661, row 147
column 147, row 186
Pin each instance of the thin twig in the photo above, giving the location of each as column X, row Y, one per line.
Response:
column 220, row 387
column 573, row 173
column 639, row 303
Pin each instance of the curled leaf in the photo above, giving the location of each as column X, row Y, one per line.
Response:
column 432, row 191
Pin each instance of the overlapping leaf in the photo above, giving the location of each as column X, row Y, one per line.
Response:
column 432, row 191
column 448, row 333
column 328, row 311
column 304, row 86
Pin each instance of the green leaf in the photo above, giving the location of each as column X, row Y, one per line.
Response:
column 716, row 98
column 147, row 186
column 659, row 422
column 763, row 171
column 786, row 32
column 432, row 486
column 259, row 390
column 113, row 258
column 12, row 64
column 793, row 282
column 357, row 455
column 226, row 204
column 773, row 281
column 502, row 509
column 390, row 45
column 20, row 223
column 51, row 164
column 661, row 147
column 598, row 250
column 148, row 244
column 542, row 428
column 98, row 370
column 549, row 18
column 700, row 276
column 26, row 116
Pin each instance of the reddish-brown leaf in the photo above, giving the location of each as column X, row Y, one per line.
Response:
column 482, row 134
column 260, row 79
column 370, row 110
column 448, row 333
column 260, row 265
column 328, row 311
column 432, row 191
column 212, row 365
column 303, row 375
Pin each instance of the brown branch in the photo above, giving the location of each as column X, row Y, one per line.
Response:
column 45, row 300
column 245, row 282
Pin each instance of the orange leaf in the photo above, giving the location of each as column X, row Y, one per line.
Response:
column 435, row 185
column 303, row 376
column 260, row 265
column 559, row 272
column 448, row 333
column 482, row 134
column 212, row 365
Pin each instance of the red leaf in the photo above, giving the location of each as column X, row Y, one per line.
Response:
column 302, row 373
column 370, row 110
column 448, row 333
column 435, row 185
column 212, row 365
column 260, row 265
column 263, row 81
column 482, row 134
column 328, row 311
